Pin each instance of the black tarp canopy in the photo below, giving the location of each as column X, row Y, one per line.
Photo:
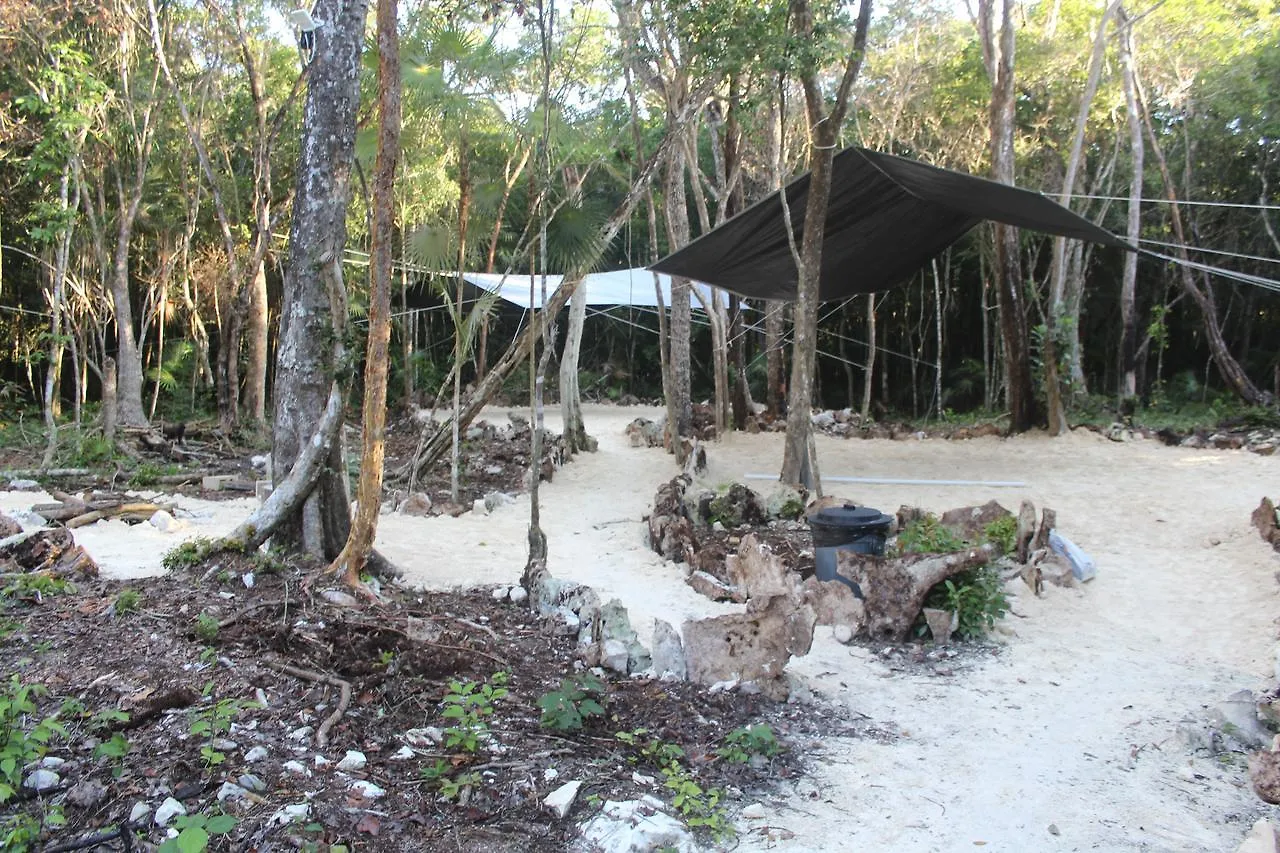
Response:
column 887, row 217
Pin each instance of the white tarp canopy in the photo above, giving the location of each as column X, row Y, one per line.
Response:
column 620, row 287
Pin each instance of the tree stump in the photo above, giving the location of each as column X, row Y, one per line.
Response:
column 895, row 588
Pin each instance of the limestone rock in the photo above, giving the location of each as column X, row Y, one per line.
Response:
column 353, row 761
column 972, row 521
column 712, row 587
column 941, row 624
column 668, row 652
column 1026, row 530
column 757, row 571
column 670, row 528
column 753, row 646
column 615, row 624
column 168, row 810
column 1056, row 570
column 738, row 506
column 1237, row 717
column 8, row 527
column 417, row 504
column 833, row 603
column 1264, row 772
column 41, row 779
column 561, row 800
column 88, row 794
column 634, row 826
column 785, row 502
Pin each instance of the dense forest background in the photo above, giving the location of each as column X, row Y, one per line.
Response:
column 148, row 153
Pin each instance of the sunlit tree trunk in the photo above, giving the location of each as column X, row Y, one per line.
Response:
column 1129, row 280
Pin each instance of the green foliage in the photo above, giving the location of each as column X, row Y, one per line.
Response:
column 88, row 451
column 977, row 596
column 566, row 709
column 186, row 554
column 1003, row 533
column 23, row 739
column 195, row 831
column 206, row 628
column 215, row 721
column 928, row 535
column 743, row 743
column 469, row 705
column 127, row 601
column 36, row 586
column 148, row 474
column 700, row 807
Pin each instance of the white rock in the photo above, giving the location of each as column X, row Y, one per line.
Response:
column 497, row 500
column 256, row 754
column 479, row 507
column 224, row 744
column 1261, row 839
column 727, row 686
column 352, row 761
column 251, row 783
column 616, row 655
column 139, row 812
column 42, row 780
column 518, row 595
column 52, row 762
column 247, row 579
column 301, row 733
column 404, row 753
column 550, row 774
column 635, row 825
column 641, row 779
column 843, row 634
column 297, row 768
column 560, row 801
column 322, row 763
column 164, row 522
column 24, row 486
column 295, row 813
column 231, row 791
column 339, row 598
column 755, row 811
column 367, row 789
column 424, row 738
column 168, row 810
column 501, row 593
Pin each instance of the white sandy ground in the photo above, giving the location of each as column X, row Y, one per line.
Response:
column 1072, row 725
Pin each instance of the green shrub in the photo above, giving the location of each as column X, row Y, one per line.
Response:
column 743, row 743
column 928, row 535
column 977, row 596
column 1003, row 533
column 469, row 704
column 566, row 709
column 186, row 554
column 23, row 739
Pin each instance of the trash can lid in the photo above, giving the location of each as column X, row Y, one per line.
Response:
column 850, row 516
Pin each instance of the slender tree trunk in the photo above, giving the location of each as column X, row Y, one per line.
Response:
column 575, row 431
column 255, row 388
column 774, row 329
column 314, row 313
column 998, row 53
column 464, row 212
column 677, row 219
column 798, row 462
column 869, row 371
column 1129, row 280
column 369, row 491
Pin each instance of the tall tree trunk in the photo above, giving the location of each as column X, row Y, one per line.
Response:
column 369, row 491
column 1129, row 281
column 677, row 219
column 464, row 214
column 575, row 432
column 798, row 462
column 255, row 387
column 1054, row 340
column 869, row 372
column 998, row 54
column 314, row 312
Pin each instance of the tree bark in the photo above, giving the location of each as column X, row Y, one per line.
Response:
column 1054, row 316
column 255, row 387
column 575, row 431
column 869, row 373
column 677, row 219
column 798, row 462
column 1129, row 280
column 369, row 491
column 313, row 319
column 998, row 55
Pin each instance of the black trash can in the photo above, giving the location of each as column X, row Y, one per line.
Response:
column 849, row 528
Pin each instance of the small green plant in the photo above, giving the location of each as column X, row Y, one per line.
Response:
column 1003, row 533
column 469, row 704
column 186, row 554
column 148, row 474
column 206, row 627
column 743, row 743
column 566, row 709
column 976, row 596
column 928, row 535
column 91, row 450
column 23, row 739
column 8, row 627
column 269, row 562
column 107, row 719
column 214, row 721
column 386, row 657
column 700, row 807
column 127, row 601
column 36, row 586
column 451, row 787
column 195, row 832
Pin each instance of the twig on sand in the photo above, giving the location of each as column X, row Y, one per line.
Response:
column 322, row 733
column 121, row 831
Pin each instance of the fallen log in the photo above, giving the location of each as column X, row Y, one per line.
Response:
column 895, row 588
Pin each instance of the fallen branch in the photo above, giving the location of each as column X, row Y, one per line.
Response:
column 322, row 733
column 121, row 831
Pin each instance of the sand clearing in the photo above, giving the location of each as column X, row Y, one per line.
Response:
column 1071, row 726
